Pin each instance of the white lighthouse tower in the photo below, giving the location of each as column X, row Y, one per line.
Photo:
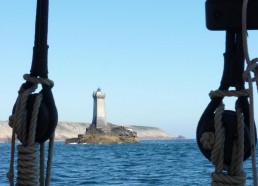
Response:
column 99, row 109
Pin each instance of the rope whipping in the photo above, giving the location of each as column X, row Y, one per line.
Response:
column 35, row 116
column 251, row 67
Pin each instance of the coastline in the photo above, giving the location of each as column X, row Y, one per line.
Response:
column 67, row 130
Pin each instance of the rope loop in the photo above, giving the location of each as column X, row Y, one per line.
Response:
column 38, row 80
column 228, row 174
column 229, row 93
column 19, row 117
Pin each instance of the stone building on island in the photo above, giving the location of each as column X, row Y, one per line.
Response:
column 99, row 110
column 99, row 130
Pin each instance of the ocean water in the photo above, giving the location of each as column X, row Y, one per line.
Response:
column 175, row 163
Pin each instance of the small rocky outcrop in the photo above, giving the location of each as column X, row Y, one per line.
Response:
column 110, row 134
column 180, row 137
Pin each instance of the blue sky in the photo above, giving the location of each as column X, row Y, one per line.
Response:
column 155, row 60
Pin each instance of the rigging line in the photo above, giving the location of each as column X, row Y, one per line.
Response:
column 247, row 77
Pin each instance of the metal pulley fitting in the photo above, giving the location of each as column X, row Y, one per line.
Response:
column 232, row 77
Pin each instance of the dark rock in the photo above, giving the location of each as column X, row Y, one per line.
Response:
column 93, row 130
column 72, row 140
column 122, row 131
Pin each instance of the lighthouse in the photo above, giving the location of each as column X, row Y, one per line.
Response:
column 99, row 109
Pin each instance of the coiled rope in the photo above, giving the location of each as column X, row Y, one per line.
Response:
column 30, row 168
column 251, row 67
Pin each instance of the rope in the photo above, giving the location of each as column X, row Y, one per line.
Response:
column 238, row 148
column 251, row 67
column 226, row 175
column 42, row 165
column 208, row 140
column 233, row 174
column 50, row 157
column 10, row 173
column 30, row 172
column 231, row 93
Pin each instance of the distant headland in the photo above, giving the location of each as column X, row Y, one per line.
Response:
column 65, row 130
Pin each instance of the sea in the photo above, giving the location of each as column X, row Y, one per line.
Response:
column 158, row 162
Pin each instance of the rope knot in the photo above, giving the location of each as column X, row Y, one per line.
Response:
column 251, row 67
column 208, row 140
column 219, row 179
column 38, row 80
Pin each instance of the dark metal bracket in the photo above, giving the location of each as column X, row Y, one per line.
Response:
column 226, row 14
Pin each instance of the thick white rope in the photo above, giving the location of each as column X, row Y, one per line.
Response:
column 217, row 153
column 18, row 123
column 251, row 67
column 224, row 175
column 29, row 171
column 28, row 162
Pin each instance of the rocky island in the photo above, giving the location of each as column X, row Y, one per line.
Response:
column 66, row 130
column 99, row 131
column 111, row 134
